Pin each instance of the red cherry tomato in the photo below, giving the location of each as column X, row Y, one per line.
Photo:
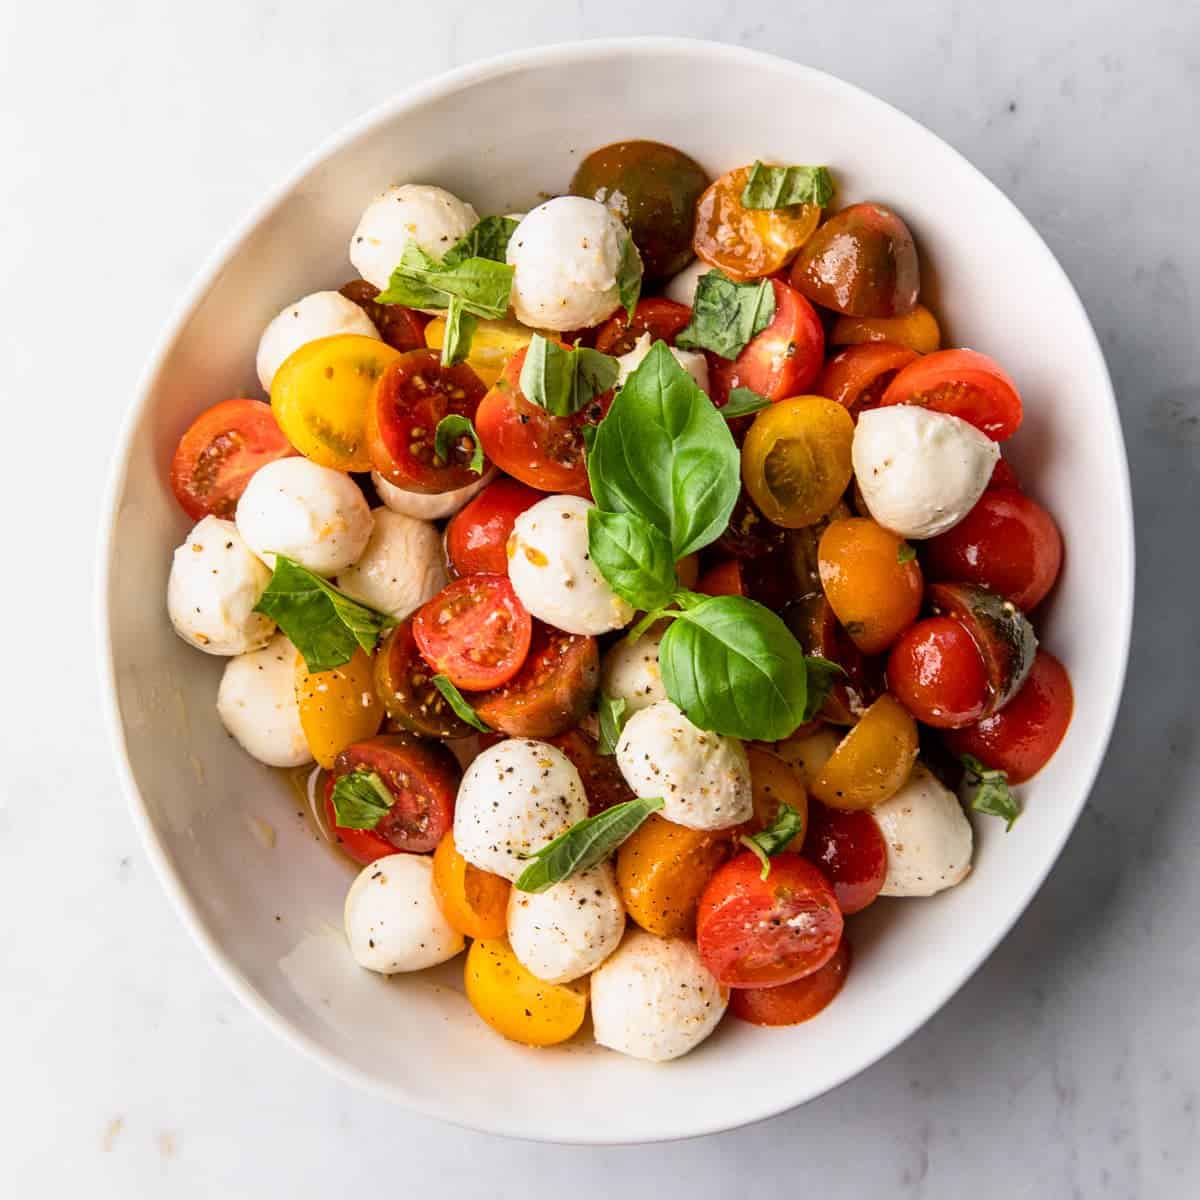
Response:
column 722, row 579
column 602, row 778
column 1021, row 738
column 1007, row 542
column 850, row 851
column 780, row 362
column 475, row 631
column 795, row 1002
column 662, row 319
column 478, row 533
column 402, row 328
column 423, row 777
column 965, row 384
column 221, row 449
column 858, row 376
column 755, row 932
column 1003, row 476
column 936, row 671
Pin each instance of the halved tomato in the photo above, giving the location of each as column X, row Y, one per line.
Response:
column 404, row 684
column 477, row 534
column 918, row 330
column 475, row 902
column 851, row 852
column 858, row 376
column 812, row 620
column 402, row 328
column 965, row 384
column 662, row 319
column 602, row 778
column 792, row 1003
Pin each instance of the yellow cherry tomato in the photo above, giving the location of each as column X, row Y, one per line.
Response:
column 492, row 344
column 516, row 1003
column 319, row 397
column 873, row 760
column 475, row 902
column 775, row 782
column 918, row 330
column 796, row 459
column 337, row 707
column 808, row 750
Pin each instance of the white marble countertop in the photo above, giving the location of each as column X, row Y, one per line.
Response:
column 133, row 136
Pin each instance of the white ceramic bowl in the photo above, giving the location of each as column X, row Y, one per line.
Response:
column 498, row 134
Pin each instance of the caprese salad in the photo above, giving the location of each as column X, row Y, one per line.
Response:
column 642, row 581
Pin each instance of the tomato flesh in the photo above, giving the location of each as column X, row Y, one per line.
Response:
column 964, row 384
column 662, row 319
column 850, row 851
column 402, row 328
column 795, row 1002
column 937, row 672
column 602, row 778
column 477, row 534
column 405, row 687
column 858, row 376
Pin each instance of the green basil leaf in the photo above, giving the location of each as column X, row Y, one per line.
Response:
column 564, row 381
column 633, row 556
column 588, row 433
column 776, row 837
column 324, row 625
column 986, row 791
column 488, row 239
column 611, row 714
column 726, row 315
column 665, row 453
column 449, row 429
column 460, row 329
column 822, row 674
column 781, row 187
column 905, row 553
column 419, row 281
column 361, row 800
column 742, row 402
column 585, row 844
column 458, row 702
column 629, row 275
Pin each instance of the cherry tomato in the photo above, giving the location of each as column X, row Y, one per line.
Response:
column 722, row 579
column 858, row 376
column 412, row 396
column 337, row 707
column 402, row 328
column 662, row 319
column 602, row 778
column 918, row 330
column 423, row 778
column 475, row 631
column 850, row 851
column 795, row 1002
column 965, row 384
column 493, row 343
column 478, row 533
column 873, row 760
column 1003, row 476
column 221, row 449
column 687, row 570
column 749, row 534
column 552, row 692
column 936, row 671
column 755, row 932
column 861, row 262
column 475, row 902
column 811, row 619
column 774, row 783
column 1007, row 543
column 1021, row 738
column 404, row 683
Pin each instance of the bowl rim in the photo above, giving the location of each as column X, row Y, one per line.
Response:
column 435, row 88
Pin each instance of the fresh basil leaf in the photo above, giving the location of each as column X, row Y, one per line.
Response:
column 633, row 556
column 612, row 716
column 360, row 800
column 488, row 239
column 406, row 286
column 324, row 625
column 588, row 433
column 585, row 844
column 458, row 702
column 742, row 402
column 629, row 275
column 665, row 453
column 781, row 187
column 726, row 315
column 822, row 673
column 449, row 429
column 776, row 837
column 986, row 791
column 905, row 553
column 419, row 281
column 564, row 381
column 460, row 329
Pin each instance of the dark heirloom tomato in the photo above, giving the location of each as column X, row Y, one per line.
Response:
column 477, row 534
column 662, row 319
column 861, row 262
column 755, row 932
column 749, row 534
column 1023, row 736
column 1007, row 542
column 602, row 778
column 221, row 449
column 551, row 693
column 653, row 188
column 413, row 394
column 722, row 579
column 423, row 778
column 965, row 384
column 812, row 621
column 402, row 328
column 795, row 1002
column 850, row 850
column 937, row 672
column 858, row 376
column 404, row 684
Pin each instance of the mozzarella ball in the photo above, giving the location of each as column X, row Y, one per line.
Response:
column 313, row 514
column 808, row 753
column 702, row 777
column 393, row 920
column 566, row 254
column 321, row 315
column 928, row 836
column 654, row 998
column 402, row 566
column 552, row 572
column 214, row 584
column 630, row 671
column 428, row 507
column 257, row 705
column 514, row 798
column 430, row 216
column 682, row 287
column 696, row 365
column 570, row 928
column 920, row 471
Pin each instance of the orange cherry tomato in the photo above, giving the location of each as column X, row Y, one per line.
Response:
column 475, row 902
column 872, row 761
column 795, row 1002
column 965, row 384
column 773, row 784
column 337, row 707
column 858, row 376
column 918, row 330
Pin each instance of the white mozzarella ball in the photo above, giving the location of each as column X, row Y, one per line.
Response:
column 402, row 566
column 432, row 507
column 430, row 216
column 566, row 254
column 808, row 753
column 682, row 287
column 313, row 514
column 920, row 471
column 695, row 364
column 630, row 671
column 929, row 839
column 214, row 584
column 552, row 572
column 702, row 777
column 393, row 920
column 570, row 928
column 257, row 705
column 321, row 315
column 514, row 798
column 654, row 998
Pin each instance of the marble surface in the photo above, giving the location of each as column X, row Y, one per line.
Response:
column 133, row 136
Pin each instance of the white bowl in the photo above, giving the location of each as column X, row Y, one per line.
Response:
column 498, row 134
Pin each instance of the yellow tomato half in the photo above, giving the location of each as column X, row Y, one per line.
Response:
column 918, row 330
column 873, row 760
column 337, row 707
column 775, row 782
column 492, row 344
column 475, row 902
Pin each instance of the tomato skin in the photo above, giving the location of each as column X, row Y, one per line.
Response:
column 816, row 628
column 475, row 902
column 795, row 1002
column 219, row 452
column 1007, row 543
column 918, row 330
column 1023, row 736
column 965, row 384
column 602, row 778
column 936, row 671
column 722, row 579
column 871, row 763
column 404, row 685
column 402, row 328
column 477, row 534
column 661, row 318
column 337, row 707
column 746, row 927
column 850, row 851
column 1003, row 476
column 858, row 376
